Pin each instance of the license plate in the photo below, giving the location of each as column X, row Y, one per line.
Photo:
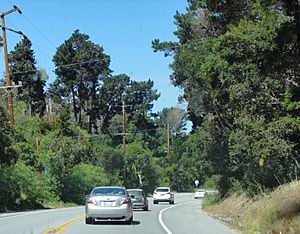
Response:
column 108, row 203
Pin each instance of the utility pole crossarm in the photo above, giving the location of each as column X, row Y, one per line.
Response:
column 12, row 86
column 15, row 31
column 15, row 8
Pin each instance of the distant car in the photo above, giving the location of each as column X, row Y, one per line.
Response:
column 139, row 199
column 163, row 194
column 199, row 194
column 108, row 203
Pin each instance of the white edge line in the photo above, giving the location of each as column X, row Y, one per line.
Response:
column 15, row 215
column 160, row 216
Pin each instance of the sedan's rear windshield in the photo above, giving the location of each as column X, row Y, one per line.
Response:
column 136, row 193
column 108, row 192
column 162, row 190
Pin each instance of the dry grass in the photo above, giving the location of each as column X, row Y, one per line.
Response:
column 276, row 212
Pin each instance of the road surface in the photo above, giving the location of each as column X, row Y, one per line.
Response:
column 184, row 217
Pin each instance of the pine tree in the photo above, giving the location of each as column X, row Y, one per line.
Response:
column 23, row 69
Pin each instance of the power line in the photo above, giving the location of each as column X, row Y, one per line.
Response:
column 102, row 135
column 39, row 31
column 97, row 60
column 43, row 35
column 65, row 65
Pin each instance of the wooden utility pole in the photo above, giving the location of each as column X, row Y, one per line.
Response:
column 168, row 134
column 8, row 88
column 123, row 124
column 8, row 84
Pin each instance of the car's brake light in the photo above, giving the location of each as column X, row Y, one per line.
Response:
column 125, row 201
column 90, row 202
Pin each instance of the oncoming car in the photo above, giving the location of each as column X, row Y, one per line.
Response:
column 139, row 199
column 108, row 203
column 163, row 194
column 199, row 194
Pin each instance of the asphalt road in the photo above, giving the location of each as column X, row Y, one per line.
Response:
column 185, row 216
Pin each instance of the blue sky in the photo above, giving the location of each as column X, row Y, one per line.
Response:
column 124, row 28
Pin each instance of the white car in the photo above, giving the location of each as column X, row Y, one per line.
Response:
column 108, row 203
column 163, row 194
column 199, row 194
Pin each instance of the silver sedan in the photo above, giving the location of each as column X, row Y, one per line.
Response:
column 108, row 203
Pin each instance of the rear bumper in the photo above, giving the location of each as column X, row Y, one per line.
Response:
column 123, row 212
column 163, row 198
column 139, row 205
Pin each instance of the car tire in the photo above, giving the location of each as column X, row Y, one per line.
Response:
column 146, row 208
column 88, row 220
column 155, row 202
column 129, row 221
column 172, row 202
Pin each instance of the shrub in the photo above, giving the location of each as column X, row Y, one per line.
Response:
column 80, row 180
column 19, row 188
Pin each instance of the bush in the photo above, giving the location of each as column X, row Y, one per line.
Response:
column 80, row 180
column 19, row 188
column 211, row 199
column 211, row 182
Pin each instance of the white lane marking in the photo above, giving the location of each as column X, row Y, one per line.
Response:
column 15, row 215
column 161, row 212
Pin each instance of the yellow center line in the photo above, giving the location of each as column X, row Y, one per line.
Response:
column 59, row 229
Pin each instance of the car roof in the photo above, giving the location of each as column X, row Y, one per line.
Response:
column 162, row 188
column 135, row 190
column 109, row 187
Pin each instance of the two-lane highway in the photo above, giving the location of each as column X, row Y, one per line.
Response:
column 185, row 216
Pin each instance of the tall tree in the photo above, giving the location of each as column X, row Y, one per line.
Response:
column 110, row 97
column 239, row 70
column 23, row 69
column 80, row 66
column 174, row 117
column 139, row 97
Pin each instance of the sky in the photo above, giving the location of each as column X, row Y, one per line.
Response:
column 124, row 28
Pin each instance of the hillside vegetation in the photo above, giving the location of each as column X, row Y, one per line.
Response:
column 274, row 212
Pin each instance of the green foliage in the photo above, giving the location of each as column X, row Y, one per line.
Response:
column 211, row 182
column 79, row 82
column 111, row 160
column 80, row 180
column 22, row 67
column 7, row 153
column 211, row 199
column 19, row 188
column 139, row 169
column 238, row 66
